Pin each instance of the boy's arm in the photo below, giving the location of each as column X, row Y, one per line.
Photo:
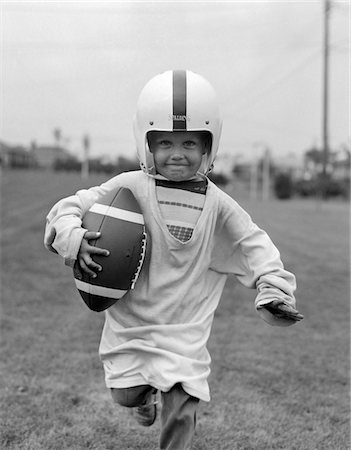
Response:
column 63, row 230
column 85, row 262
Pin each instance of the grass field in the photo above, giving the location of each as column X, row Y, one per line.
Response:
column 272, row 388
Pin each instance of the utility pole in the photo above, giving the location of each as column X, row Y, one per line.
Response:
column 85, row 163
column 254, row 175
column 325, row 94
column 266, row 175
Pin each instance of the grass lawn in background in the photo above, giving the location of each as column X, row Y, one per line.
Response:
column 272, row 388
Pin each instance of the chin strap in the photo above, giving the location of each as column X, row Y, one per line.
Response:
column 148, row 171
column 210, row 169
column 151, row 170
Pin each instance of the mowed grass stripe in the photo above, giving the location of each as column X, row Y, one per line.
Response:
column 272, row 388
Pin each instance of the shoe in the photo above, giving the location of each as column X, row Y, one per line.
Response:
column 146, row 414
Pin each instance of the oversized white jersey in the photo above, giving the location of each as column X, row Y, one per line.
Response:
column 157, row 333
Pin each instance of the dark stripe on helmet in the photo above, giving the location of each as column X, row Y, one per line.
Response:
column 179, row 100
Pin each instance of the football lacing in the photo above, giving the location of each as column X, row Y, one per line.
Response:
column 141, row 259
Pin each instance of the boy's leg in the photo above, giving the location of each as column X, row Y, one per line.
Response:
column 178, row 419
column 143, row 401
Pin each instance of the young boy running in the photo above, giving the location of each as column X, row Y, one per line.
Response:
column 155, row 337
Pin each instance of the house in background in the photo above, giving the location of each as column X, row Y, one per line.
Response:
column 16, row 156
column 46, row 155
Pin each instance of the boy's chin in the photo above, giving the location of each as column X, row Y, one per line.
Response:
column 178, row 178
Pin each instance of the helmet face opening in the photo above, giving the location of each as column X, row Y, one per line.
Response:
column 205, row 136
column 177, row 100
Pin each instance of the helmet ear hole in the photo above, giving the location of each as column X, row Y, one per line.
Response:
column 207, row 139
column 147, row 145
column 148, row 138
column 209, row 143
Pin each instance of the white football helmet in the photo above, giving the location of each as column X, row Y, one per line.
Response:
column 177, row 100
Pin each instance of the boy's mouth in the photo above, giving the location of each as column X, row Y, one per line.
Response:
column 177, row 165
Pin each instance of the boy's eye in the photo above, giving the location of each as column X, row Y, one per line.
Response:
column 190, row 144
column 164, row 143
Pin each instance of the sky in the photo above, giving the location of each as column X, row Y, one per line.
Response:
column 80, row 66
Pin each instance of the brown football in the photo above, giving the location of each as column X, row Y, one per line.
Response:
column 118, row 217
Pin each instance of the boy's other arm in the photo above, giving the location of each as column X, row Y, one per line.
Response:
column 275, row 300
column 247, row 251
column 283, row 312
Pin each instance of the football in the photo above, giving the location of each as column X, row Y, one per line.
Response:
column 118, row 217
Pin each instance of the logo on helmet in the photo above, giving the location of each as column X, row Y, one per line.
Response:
column 179, row 117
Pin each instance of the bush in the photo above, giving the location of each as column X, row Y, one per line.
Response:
column 67, row 164
column 305, row 188
column 96, row 165
column 218, row 178
column 283, row 186
column 328, row 188
column 338, row 188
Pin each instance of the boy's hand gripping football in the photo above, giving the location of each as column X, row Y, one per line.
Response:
column 283, row 311
column 85, row 253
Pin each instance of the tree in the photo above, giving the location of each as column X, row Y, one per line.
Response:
column 57, row 136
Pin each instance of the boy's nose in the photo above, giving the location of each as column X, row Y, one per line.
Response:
column 177, row 152
column 177, row 155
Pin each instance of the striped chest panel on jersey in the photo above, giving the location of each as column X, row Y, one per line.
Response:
column 181, row 205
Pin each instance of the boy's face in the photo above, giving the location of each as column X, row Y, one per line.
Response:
column 178, row 154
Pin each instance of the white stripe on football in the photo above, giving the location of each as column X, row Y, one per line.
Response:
column 117, row 213
column 99, row 290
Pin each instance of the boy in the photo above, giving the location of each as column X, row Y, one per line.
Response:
column 154, row 338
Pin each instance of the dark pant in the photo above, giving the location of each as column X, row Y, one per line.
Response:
column 178, row 414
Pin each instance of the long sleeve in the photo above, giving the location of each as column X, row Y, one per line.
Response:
column 63, row 230
column 243, row 249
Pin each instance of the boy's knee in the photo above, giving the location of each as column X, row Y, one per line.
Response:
column 130, row 397
column 120, row 396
